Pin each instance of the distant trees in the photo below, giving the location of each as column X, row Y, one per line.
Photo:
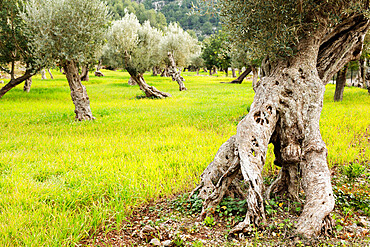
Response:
column 143, row 13
column 216, row 52
column 68, row 32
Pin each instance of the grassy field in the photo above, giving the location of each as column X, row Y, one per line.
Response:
column 60, row 179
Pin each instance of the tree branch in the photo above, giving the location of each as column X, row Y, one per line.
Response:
column 342, row 44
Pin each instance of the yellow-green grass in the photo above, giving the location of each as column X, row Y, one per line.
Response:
column 60, row 180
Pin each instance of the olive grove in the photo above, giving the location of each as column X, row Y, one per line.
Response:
column 304, row 43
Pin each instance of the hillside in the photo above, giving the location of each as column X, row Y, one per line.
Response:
column 172, row 10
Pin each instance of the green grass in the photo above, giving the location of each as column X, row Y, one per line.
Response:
column 60, row 180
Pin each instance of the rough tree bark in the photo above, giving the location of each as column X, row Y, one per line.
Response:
column 286, row 112
column 85, row 73
column 340, row 83
column 241, row 77
column 27, row 85
column 176, row 75
column 78, row 92
column 51, row 75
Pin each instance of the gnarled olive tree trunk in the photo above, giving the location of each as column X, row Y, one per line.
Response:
column 150, row 91
column 286, row 112
column 176, row 75
column 78, row 92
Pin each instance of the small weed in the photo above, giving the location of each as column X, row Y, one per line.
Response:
column 353, row 171
column 209, row 221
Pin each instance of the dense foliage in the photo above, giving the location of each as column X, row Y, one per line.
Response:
column 72, row 30
column 276, row 27
column 216, row 51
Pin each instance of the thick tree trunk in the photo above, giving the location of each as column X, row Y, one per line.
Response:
column 285, row 111
column 43, row 74
column 27, row 85
column 340, row 83
column 51, row 75
column 14, row 82
column 150, row 91
column 245, row 73
column 176, row 75
column 78, row 92
column 85, row 73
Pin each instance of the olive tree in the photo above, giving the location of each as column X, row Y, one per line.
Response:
column 14, row 45
column 304, row 43
column 178, row 48
column 135, row 46
column 68, row 32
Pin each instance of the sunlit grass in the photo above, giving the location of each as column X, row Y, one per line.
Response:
column 59, row 178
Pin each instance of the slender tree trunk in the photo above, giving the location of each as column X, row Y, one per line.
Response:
column 51, row 75
column 176, row 75
column 43, row 74
column 245, row 73
column 210, row 72
column 27, row 85
column 12, row 71
column 98, row 68
column 14, row 82
column 362, row 72
column 155, row 72
column 227, row 72
column 85, row 73
column 255, row 76
column 205, row 69
column 233, row 72
column 340, row 83
column 198, row 71
column 78, row 92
